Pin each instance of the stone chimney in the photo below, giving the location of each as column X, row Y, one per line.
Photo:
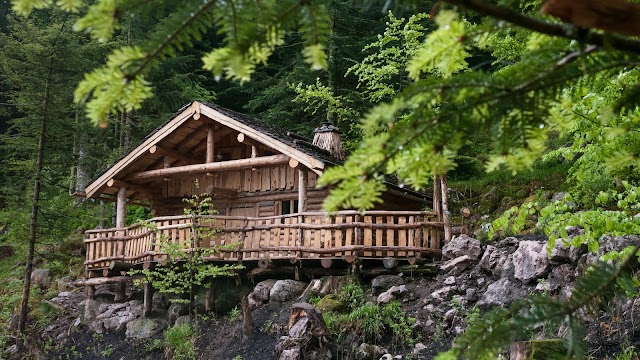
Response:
column 327, row 137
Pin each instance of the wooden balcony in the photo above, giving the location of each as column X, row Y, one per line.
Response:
column 345, row 235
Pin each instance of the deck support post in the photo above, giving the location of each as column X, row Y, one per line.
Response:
column 210, row 298
column 445, row 209
column 121, row 291
column 211, row 156
column 247, row 319
column 121, row 208
column 90, row 291
column 148, row 296
column 302, row 189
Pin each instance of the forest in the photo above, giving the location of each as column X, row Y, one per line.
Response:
column 514, row 102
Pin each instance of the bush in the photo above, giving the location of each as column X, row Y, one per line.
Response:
column 179, row 343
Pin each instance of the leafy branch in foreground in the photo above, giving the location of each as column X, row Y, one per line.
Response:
column 488, row 336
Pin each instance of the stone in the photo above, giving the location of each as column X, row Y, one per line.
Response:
column 558, row 196
column 456, row 266
column 576, row 252
column 369, row 352
column 496, row 293
column 290, row 354
column 471, row 295
column 560, row 251
column 65, row 283
column 462, row 245
column 450, row 314
column 386, row 357
column 331, row 302
column 385, row 297
column 530, row 261
column 176, row 310
column 286, row 290
column 382, row 283
column 144, row 328
column 451, row 280
column 443, row 293
column 324, row 286
column 41, row 277
column 609, row 243
column 182, row 320
column 418, row 348
column 159, row 302
column 262, row 290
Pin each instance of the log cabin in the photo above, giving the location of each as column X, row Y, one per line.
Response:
column 262, row 180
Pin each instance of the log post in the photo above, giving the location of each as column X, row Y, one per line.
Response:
column 247, row 319
column 148, row 296
column 210, row 299
column 121, row 208
column 302, row 189
column 445, row 209
column 90, row 291
column 120, row 294
column 211, row 156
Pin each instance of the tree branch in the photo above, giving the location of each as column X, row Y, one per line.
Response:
column 553, row 29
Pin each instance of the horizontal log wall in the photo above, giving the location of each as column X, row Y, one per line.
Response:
column 309, row 235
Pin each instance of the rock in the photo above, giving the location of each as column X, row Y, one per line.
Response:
column 471, row 295
column 331, row 302
column 386, row 357
column 451, row 280
column 177, row 310
column 558, row 196
column 384, row 282
column 462, row 245
column 496, row 260
column 42, row 278
column 144, row 328
column 457, row 265
column 618, row 243
column 286, row 290
column 65, row 283
column 369, row 352
column 182, row 320
column 159, row 302
column 443, row 293
column 530, row 261
column 560, row 251
column 262, row 290
column 450, row 314
column 385, row 298
column 290, row 354
column 576, row 252
column 418, row 348
column 324, row 286
column 497, row 293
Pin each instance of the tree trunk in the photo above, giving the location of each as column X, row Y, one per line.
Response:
column 24, row 304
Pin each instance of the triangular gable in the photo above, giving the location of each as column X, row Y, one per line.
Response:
column 197, row 109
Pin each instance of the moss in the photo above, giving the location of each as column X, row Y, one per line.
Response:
column 331, row 302
column 552, row 349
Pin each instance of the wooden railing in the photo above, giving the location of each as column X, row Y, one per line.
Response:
column 310, row 235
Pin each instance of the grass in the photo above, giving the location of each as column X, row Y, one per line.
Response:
column 179, row 343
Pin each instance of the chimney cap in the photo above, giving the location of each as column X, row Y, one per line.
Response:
column 326, row 127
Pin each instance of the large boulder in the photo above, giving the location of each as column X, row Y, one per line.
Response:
column 503, row 292
column 393, row 293
column 176, row 310
column 144, row 328
column 462, row 245
column 286, row 290
column 105, row 317
column 331, row 302
column 495, row 260
column 42, row 278
column 159, row 302
column 618, row 243
column 384, row 282
column 262, row 290
column 530, row 261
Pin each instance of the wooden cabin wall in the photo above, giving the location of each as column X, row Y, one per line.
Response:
column 260, row 191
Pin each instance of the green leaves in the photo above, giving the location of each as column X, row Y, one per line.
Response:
column 25, row 7
column 100, row 20
column 444, row 51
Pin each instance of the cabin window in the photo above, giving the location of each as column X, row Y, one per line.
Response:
column 288, row 207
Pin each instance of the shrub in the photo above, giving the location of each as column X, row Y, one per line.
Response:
column 179, row 343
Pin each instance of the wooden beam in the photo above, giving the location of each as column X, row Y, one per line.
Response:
column 216, row 190
column 273, row 160
column 174, row 154
column 302, row 190
column 121, row 207
column 293, row 163
column 115, row 183
column 211, row 153
column 445, row 209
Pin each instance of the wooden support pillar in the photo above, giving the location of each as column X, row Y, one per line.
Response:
column 302, row 189
column 121, row 208
column 121, row 292
column 90, row 291
column 247, row 318
column 254, row 151
column 445, row 209
column 210, row 299
column 148, row 297
column 211, row 154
